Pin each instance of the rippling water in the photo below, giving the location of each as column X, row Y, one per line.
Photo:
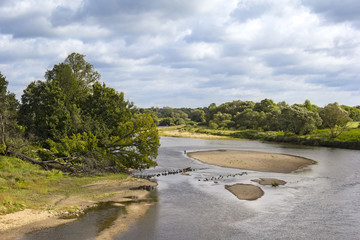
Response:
column 318, row 202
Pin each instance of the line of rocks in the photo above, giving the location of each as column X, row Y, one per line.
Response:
column 220, row 177
column 165, row 173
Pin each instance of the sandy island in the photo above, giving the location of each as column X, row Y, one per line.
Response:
column 252, row 160
column 16, row 224
column 245, row 191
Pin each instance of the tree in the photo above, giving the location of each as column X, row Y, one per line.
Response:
column 85, row 125
column 308, row 105
column 8, row 110
column 223, row 120
column 354, row 113
column 197, row 115
column 335, row 118
column 298, row 120
column 266, row 105
column 43, row 111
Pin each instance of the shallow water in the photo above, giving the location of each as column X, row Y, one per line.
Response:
column 86, row 227
column 318, row 202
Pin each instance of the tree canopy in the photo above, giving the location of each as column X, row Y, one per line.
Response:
column 335, row 118
column 8, row 107
column 82, row 124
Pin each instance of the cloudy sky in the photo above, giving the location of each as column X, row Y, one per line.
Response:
column 190, row 53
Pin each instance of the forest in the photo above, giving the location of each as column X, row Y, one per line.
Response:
column 333, row 125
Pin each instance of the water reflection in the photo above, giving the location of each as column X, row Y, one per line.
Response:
column 86, row 227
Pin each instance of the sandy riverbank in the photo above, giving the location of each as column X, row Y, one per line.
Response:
column 17, row 224
column 175, row 131
column 252, row 160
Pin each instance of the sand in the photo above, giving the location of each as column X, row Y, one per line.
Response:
column 252, row 160
column 176, row 132
column 255, row 161
column 245, row 191
column 15, row 225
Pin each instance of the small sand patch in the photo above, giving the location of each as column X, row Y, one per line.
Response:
column 245, row 191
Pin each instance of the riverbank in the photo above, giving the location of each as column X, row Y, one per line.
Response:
column 32, row 198
column 16, row 224
column 178, row 131
column 349, row 139
column 252, row 160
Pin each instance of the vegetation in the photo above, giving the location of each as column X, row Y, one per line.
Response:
column 73, row 122
column 332, row 125
column 24, row 185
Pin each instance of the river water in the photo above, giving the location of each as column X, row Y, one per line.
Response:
column 320, row 201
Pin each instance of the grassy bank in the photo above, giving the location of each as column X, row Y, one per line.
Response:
column 27, row 186
column 350, row 138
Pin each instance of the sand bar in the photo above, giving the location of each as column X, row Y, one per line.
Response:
column 245, row 191
column 252, row 160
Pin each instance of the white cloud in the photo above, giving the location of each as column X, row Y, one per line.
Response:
column 190, row 53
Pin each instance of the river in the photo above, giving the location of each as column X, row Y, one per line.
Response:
column 318, row 202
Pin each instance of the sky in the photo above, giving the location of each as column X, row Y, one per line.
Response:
column 191, row 53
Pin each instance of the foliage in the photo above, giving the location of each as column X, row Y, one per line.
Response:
column 299, row 120
column 26, row 185
column 9, row 128
column 354, row 113
column 198, row 115
column 335, row 118
column 84, row 125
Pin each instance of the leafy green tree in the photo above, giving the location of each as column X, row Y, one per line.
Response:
column 272, row 120
column 308, row 105
column 86, row 125
column 197, row 115
column 266, row 105
column 354, row 113
column 249, row 119
column 335, row 118
column 43, row 111
column 166, row 122
column 299, row 120
column 223, row 120
column 235, row 107
column 8, row 110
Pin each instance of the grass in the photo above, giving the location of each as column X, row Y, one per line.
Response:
column 353, row 124
column 275, row 184
column 25, row 185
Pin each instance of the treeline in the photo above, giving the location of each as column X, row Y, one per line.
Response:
column 265, row 115
column 73, row 122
